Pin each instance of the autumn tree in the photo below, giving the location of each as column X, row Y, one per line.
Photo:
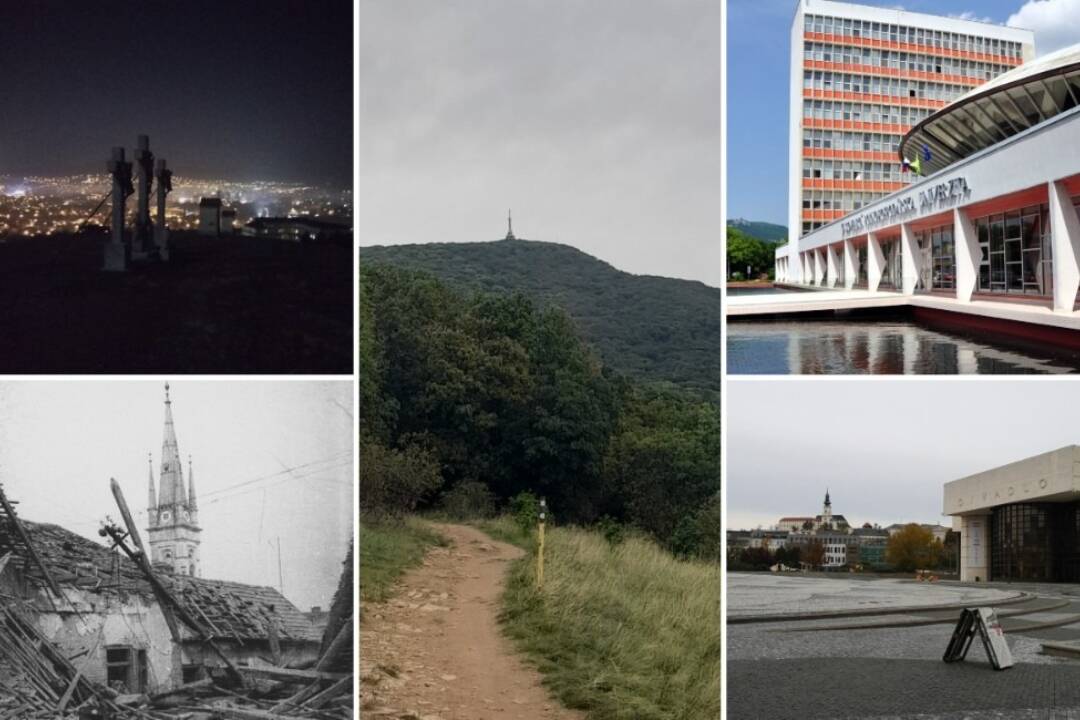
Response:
column 814, row 554
column 913, row 547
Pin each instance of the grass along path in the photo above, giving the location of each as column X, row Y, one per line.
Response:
column 624, row 632
column 389, row 549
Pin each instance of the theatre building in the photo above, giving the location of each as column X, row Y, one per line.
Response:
column 1020, row 521
column 990, row 227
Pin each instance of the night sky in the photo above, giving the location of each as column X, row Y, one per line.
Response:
column 233, row 89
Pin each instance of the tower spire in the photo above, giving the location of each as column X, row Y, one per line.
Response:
column 174, row 531
column 152, row 495
column 192, row 505
column 172, row 473
column 509, row 226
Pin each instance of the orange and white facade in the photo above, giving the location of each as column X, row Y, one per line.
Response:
column 861, row 78
column 996, row 219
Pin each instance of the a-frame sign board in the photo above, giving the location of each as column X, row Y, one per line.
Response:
column 985, row 623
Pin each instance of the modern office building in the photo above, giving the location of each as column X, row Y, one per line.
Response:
column 862, row 77
column 1020, row 521
column 994, row 220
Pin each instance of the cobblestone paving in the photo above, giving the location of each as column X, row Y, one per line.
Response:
column 760, row 594
column 803, row 669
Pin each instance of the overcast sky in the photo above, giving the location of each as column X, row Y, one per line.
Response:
column 60, row 442
column 597, row 122
column 884, row 448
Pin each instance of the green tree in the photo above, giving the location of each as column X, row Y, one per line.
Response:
column 394, row 482
column 664, row 462
column 745, row 251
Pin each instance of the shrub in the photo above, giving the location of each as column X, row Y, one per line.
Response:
column 612, row 530
column 525, row 507
column 469, row 500
column 393, row 482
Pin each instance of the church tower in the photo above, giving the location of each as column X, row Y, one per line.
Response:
column 173, row 513
column 826, row 512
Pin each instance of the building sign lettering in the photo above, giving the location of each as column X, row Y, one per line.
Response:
column 934, row 198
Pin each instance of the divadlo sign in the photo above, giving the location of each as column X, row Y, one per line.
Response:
column 933, row 199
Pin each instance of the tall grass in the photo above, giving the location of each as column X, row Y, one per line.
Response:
column 387, row 549
column 625, row 632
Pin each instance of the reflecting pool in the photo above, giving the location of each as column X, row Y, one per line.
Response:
column 763, row 290
column 896, row 347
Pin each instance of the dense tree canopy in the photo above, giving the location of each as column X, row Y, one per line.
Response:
column 493, row 389
column 745, row 251
column 653, row 329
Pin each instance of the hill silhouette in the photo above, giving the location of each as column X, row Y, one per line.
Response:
column 652, row 328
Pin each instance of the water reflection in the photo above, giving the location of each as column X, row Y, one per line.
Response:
column 882, row 347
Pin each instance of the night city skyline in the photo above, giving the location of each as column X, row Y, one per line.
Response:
column 241, row 90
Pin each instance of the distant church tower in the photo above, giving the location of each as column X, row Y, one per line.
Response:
column 174, row 515
column 509, row 227
column 826, row 511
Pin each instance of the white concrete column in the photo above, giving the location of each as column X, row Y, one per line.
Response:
column 850, row 265
column 909, row 259
column 968, row 255
column 1065, row 236
column 974, row 548
column 833, row 264
column 875, row 261
column 819, row 265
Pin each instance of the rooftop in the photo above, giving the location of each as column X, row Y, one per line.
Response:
column 234, row 610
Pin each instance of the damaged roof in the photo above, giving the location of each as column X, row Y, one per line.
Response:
column 233, row 610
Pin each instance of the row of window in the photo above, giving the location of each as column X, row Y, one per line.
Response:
column 847, row 140
column 871, row 84
column 847, row 201
column 905, row 115
column 817, row 169
column 897, row 60
column 912, row 35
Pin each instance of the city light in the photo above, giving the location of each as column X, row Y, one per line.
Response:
column 52, row 205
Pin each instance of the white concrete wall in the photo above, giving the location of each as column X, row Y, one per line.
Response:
column 1041, row 156
column 1050, row 476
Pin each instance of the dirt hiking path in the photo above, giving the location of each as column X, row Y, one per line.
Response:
column 435, row 652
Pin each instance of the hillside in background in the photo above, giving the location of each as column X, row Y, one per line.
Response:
column 769, row 232
column 652, row 328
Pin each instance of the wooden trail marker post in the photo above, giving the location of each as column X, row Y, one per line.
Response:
column 540, row 550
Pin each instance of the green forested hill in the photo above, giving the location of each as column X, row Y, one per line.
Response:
column 653, row 328
column 769, row 232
